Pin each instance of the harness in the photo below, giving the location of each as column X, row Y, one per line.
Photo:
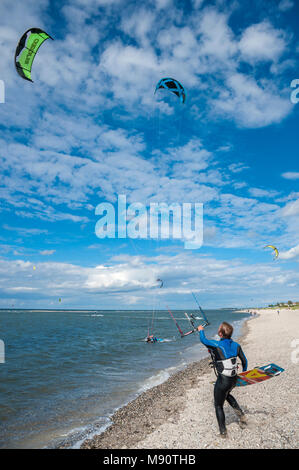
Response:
column 227, row 367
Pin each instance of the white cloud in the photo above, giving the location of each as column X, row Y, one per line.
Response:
column 278, row 68
column 25, row 231
column 197, row 3
column 139, row 25
column 262, row 42
column 136, row 276
column 47, row 252
column 249, row 103
column 285, row 5
column 217, row 39
column 291, row 175
column 290, row 254
column 291, row 209
column 237, row 216
column 161, row 4
column 134, row 66
column 94, row 5
column 237, row 167
column 257, row 192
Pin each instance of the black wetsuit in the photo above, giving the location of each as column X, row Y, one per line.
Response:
column 221, row 351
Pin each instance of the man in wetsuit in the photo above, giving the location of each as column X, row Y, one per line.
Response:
column 224, row 355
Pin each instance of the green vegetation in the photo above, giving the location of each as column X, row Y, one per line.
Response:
column 290, row 304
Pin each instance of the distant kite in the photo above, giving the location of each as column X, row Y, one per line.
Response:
column 174, row 86
column 26, row 51
column 162, row 283
column 275, row 250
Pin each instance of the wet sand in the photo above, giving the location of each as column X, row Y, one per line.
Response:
column 179, row 413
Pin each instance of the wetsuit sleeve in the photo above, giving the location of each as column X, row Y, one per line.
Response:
column 207, row 342
column 242, row 356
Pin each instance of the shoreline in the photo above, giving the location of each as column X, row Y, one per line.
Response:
column 135, row 421
column 180, row 414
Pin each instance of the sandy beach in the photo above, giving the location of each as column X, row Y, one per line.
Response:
column 179, row 414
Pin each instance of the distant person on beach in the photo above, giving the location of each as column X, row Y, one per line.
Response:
column 224, row 356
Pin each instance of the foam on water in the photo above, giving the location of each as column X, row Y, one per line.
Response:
column 155, row 380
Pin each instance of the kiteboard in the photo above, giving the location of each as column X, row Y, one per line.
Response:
column 258, row 374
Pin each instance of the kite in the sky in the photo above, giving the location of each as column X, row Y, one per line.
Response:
column 26, row 51
column 174, row 86
column 275, row 250
column 162, row 283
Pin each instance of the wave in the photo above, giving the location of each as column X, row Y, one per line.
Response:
column 75, row 438
column 155, row 380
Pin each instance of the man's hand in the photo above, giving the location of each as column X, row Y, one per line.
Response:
column 200, row 328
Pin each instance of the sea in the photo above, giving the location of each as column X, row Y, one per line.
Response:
column 65, row 372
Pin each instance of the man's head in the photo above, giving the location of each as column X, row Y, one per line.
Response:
column 225, row 330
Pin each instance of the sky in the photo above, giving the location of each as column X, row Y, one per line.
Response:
column 91, row 128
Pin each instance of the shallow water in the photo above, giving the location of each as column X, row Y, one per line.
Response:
column 66, row 372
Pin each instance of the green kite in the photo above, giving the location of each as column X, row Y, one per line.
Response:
column 26, row 51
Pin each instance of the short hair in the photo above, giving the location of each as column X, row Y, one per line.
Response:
column 226, row 329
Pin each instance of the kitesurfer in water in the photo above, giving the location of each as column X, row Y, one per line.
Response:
column 151, row 339
column 224, row 356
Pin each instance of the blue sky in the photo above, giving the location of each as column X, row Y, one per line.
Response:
column 90, row 128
